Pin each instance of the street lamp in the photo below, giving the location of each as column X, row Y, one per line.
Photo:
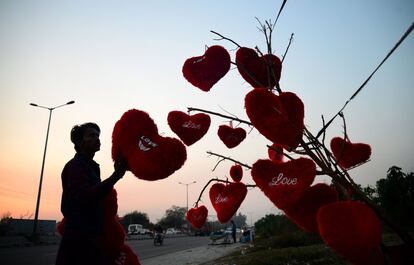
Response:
column 187, row 184
column 43, row 162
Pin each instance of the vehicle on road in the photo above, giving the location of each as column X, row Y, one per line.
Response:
column 171, row 231
column 158, row 239
column 136, row 229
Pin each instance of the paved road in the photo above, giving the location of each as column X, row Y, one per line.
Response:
column 46, row 255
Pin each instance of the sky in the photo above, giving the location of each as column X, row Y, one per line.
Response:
column 112, row 56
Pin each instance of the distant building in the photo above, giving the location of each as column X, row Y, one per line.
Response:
column 25, row 227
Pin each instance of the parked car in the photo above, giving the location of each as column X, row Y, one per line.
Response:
column 171, row 231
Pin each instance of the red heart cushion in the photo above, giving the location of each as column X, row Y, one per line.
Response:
column 189, row 128
column 197, row 216
column 278, row 118
column 230, row 136
column 111, row 204
column 275, row 153
column 284, row 183
column 113, row 237
column 348, row 154
column 204, row 71
column 236, row 173
column 351, row 228
column 258, row 71
column 129, row 257
column 304, row 211
column 226, row 199
column 149, row 155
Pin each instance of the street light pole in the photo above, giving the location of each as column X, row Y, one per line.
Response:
column 43, row 162
column 187, row 184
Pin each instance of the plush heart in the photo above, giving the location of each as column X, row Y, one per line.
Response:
column 236, row 173
column 349, row 154
column 197, row 216
column 278, row 118
column 275, row 153
column 204, row 71
column 226, row 199
column 113, row 237
column 351, row 228
column 189, row 128
column 149, row 155
column 284, row 183
column 230, row 136
column 111, row 204
column 128, row 257
column 304, row 211
column 258, row 71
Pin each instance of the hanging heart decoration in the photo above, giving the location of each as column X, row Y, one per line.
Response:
column 351, row 228
column 236, row 173
column 284, row 183
column 349, row 154
column 304, row 211
column 197, row 216
column 275, row 153
column 150, row 156
column 189, row 128
column 226, row 199
column 278, row 118
column 230, row 136
column 258, row 71
column 206, row 70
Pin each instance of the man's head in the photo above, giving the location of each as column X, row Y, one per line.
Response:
column 85, row 137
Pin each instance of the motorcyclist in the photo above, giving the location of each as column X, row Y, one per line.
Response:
column 158, row 237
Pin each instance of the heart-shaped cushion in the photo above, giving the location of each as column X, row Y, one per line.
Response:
column 150, row 156
column 278, row 118
column 226, row 199
column 284, row 183
column 113, row 237
column 197, row 216
column 349, row 154
column 304, row 211
column 236, row 173
column 258, row 71
column 275, row 153
column 204, row 71
column 189, row 128
column 351, row 228
column 129, row 256
column 230, row 136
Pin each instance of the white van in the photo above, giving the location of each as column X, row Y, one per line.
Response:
column 135, row 229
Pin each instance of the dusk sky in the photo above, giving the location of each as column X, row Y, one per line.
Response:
column 112, row 56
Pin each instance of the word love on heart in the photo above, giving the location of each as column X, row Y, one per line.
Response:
column 145, row 144
column 282, row 180
column 191, row 125
column 220, row 199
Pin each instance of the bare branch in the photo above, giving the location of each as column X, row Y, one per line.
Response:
column 225, row 38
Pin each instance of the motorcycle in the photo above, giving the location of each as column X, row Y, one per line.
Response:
column 158, row 239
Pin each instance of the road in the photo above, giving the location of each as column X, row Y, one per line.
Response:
column 46, row 255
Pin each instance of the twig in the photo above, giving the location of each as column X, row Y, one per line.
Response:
column 287, row 48
column 409, row 30
column 220, row 115
column 280, row 11
column 225, row 38
column 229, row 158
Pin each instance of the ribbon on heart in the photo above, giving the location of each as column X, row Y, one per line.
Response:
column 150, row 156
column 284, row 183
column 258, row 71
column 230, row 136
column 304, row 211
column 275, row 153
column 349, row 154
column 278, row 118
column 236, row 173
column 189, row 128
column 206, row 70
column 197, row 216
column 351, row 228
column 226, row 199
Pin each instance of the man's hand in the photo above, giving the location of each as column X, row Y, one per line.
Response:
column 120, row 167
